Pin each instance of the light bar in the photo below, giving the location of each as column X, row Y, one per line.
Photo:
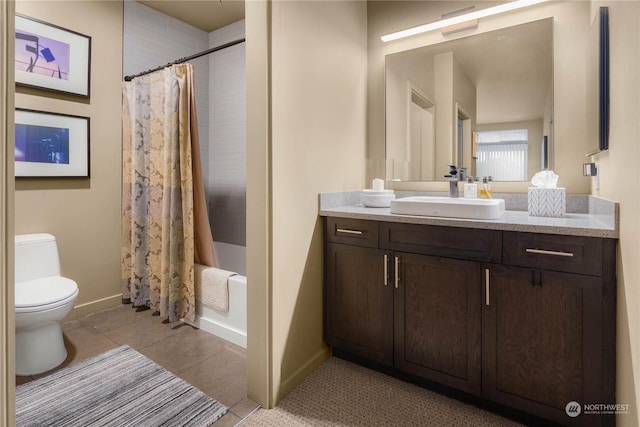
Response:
column 507, row 7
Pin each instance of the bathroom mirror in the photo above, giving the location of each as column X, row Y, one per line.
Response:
column 483, row 103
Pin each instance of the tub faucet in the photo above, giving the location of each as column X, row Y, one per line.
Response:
column 453, row 179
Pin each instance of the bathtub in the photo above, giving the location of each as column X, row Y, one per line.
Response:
column 231, row 326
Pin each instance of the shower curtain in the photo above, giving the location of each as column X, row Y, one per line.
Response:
column 165, row 228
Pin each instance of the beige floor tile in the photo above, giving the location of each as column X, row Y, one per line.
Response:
column 182, row 351
column 113, row 318
column 71, row 325
column 228, row 420
column 145, row 332
column 239, row 350
column 244, row 407
column 221, row 376
column 82, row 343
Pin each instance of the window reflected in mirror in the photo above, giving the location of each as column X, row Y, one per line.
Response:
column 502, row 155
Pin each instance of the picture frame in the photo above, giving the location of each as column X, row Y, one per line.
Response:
column 51, row 145
column 51, row 57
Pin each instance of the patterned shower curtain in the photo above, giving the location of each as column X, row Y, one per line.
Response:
column 165, row 228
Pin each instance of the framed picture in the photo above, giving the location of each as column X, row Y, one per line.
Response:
column 51, row 145
column 50, row 57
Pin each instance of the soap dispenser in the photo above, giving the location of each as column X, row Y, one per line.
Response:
column 470, row 189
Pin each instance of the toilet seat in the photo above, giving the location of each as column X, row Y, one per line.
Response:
column 44, row 294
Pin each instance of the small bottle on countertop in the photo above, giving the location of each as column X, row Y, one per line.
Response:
column 485, row 189
column 470, row 189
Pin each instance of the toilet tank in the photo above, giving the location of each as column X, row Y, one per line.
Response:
column 36, row 256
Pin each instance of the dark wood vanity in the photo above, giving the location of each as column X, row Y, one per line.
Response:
column 516, row 320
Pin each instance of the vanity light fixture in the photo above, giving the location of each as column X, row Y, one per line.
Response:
column 483, row 13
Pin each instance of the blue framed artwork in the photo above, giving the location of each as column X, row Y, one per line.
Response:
column 51, row 145
column 51, row 57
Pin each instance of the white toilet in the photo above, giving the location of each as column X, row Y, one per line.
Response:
column 43, row 299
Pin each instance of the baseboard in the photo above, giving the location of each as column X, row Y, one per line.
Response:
column 93, row 306
column 301, row 373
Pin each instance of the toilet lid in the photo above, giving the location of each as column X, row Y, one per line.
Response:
column 44, row 291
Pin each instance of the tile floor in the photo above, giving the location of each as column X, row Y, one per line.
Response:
column 213, row 365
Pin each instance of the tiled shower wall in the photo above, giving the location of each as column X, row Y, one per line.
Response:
column 152, row 39
column 227, row 161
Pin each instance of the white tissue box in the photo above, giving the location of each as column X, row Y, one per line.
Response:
column 550, row 202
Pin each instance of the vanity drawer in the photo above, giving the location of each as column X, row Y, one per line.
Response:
column 451, row 242
column 352, row 232
column 573, row 254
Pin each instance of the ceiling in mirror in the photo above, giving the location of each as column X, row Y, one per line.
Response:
column 439, row 97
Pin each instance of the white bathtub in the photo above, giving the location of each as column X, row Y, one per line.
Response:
column 231, row 326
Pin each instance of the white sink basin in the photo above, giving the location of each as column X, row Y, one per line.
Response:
column 449, row 207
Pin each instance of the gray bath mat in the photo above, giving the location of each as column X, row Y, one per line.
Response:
column 120, row 387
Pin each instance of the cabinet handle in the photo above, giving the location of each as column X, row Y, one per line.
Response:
column 543, row 252
column 486, row 286
column 346, row 231
column 397, row 272
column 386, row 270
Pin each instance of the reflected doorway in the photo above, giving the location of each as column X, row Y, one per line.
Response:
column 421, row 136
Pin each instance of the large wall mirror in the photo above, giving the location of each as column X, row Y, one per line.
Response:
column 483, row 103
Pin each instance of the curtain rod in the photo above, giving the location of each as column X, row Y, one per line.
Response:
column 185, row 59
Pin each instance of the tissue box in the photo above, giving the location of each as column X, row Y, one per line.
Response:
column 550, row 202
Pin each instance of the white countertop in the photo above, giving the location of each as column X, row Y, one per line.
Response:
column 573, row 224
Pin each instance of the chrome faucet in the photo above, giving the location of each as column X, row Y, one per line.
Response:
column 453, row 179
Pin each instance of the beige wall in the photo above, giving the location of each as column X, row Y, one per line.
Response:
column 571, row 61
column 401, row 69
column 259, row 211
column 620, row 182
column 443, row 64
column 464, row 102
column 83, row 214
column 316, row 143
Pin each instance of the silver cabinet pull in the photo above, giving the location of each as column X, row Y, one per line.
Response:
column 397, row 271
column 346, row 231
column 543, row 252
column 486, row 286
column 386, row 270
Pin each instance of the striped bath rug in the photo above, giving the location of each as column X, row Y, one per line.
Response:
column 118, row 388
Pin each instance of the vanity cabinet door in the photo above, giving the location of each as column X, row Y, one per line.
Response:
column 359, row 305
column 542, row 341
column 437, row 320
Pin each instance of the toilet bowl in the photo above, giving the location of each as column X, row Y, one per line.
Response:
column 42, row 299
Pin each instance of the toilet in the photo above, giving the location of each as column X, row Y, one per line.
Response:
column 42, row 299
